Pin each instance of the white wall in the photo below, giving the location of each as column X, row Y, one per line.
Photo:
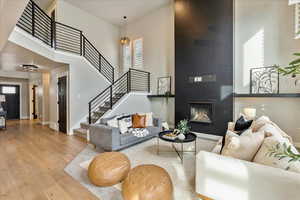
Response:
column 130, row 104
column 264, row 36
column 10, row 12
column 84, row 80
column 283, row 111
column 103, row 35
column 157, row 31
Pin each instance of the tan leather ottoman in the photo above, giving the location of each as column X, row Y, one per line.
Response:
column 147, row 182
column 108, row 169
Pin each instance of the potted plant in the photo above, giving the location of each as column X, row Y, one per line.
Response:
column 292, row 69
column 183, row 128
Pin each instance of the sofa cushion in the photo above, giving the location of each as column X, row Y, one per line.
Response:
column 242, row 147
column 138, row 121
column 149, row 118
column 263, row 155
column 260, row 122
column 125, row 123
column 113, row 122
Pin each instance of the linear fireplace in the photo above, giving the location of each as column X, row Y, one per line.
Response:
column 201, row 112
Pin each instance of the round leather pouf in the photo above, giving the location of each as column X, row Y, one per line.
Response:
column 108, row 169
column 147, row 182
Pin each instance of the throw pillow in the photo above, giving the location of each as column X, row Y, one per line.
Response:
column 149, row 118
column 113, row 122
column 242, row 147
column 124, row 123
column 263, row 157
column 242, row 124
column 260, row 122
column 138, row 121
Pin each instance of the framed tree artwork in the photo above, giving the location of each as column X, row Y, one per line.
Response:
column 164, row 85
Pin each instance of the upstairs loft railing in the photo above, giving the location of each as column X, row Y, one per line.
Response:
column 132, row 81
column 63, row 37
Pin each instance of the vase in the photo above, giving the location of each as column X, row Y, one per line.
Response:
column 181, row 136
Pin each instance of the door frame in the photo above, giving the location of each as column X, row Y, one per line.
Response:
column 20, row 97
column 66, row 74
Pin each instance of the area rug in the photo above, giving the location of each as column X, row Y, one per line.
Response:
column 182, row 175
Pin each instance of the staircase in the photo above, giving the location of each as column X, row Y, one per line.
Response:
column 66, row 38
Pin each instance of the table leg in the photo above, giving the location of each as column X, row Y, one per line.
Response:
column 196, row 146
column 181, row 152
column 157, row 146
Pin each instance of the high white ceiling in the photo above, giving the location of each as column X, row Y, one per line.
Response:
column 114, row 10
column 44, row 4
column 12, row 56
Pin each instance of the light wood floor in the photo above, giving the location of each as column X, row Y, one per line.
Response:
column 32, row 161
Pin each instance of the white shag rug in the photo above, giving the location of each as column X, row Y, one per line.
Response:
column 182, row 175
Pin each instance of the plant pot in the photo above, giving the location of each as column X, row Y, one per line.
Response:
column 181, row 136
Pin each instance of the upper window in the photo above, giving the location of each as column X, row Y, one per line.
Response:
column 138, row 57
column 9, row 90
column 127, row 60
column 297, row 21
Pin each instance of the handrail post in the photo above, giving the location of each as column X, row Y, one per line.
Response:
column 83, row 47
column 129, row 80
column 111, row 98
column 127, row 77
column 100, row 67
column 113, row 75
column 81, row 43
column 90, row 113
column 33, row 19
column 52, row 33
column 148, row 82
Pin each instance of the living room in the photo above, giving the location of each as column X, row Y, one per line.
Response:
column 182, row 99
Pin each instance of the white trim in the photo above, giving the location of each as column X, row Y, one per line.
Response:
column 207, row 136
column 20, row 96
column 25, row 117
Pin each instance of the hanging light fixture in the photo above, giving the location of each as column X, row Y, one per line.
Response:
column 125, row 40
column 28, row 68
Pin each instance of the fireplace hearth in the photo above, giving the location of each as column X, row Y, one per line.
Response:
column 201, row 112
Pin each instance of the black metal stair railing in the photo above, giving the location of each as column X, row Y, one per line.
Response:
column 66, row 38
column 63, row 37
column 132, row 81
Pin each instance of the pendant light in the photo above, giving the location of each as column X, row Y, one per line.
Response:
column 125, row 40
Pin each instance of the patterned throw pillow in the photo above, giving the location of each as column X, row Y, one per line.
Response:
column 263, row 157
column 125, row 123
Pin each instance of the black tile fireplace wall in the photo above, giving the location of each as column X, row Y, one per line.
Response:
column 204, row 49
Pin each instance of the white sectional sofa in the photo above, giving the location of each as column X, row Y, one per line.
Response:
column 220, row 177
column 223, row 178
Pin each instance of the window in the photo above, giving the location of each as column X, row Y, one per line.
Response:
column 8, row 90
column 138, row 53
column 127, row 60
column 297, row 21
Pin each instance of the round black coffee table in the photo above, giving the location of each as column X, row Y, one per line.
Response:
column 190, row 137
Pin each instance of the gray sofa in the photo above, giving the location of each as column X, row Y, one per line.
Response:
column 110, row 138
